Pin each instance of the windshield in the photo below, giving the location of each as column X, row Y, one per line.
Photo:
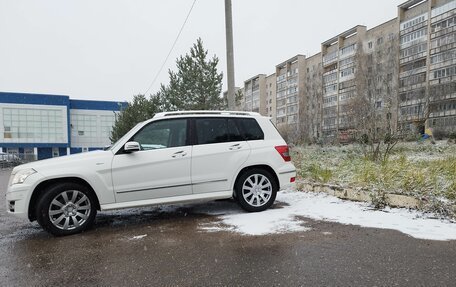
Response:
column 114, row 145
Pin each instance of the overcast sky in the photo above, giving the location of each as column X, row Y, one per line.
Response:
column 112, row 49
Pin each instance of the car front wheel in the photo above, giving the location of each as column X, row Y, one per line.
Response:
column 256, row 190
column 66, row 208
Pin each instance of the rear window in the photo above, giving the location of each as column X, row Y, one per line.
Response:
column 250, row 129
column 216, row 130
column 219, row 130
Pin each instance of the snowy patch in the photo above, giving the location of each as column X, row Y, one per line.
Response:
column 329, row 208
column 138, row 237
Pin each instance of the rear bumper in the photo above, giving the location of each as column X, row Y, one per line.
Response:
column 287, row 177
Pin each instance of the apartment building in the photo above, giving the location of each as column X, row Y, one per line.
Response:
column 238, row 98
column 399, row 75
column 311, row 110
column 427, row 93
column 378, row 73
column 405, row 67
column 339, row 61
column 442, row 67
column 271, row 97
column 290, row 76
column 255, row 94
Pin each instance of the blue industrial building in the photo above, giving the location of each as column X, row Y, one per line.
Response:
column 41, row 126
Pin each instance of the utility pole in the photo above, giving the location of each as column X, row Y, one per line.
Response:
column 229, row 54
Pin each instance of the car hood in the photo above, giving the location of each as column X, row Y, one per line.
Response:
column 66, row 161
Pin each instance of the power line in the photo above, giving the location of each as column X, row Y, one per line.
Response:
column 172, row 47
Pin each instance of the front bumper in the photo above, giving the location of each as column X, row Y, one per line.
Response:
column 18, row 196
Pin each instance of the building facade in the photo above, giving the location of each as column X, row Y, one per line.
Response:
column 271, row 97
column 290, row 76
column 43, row 126
column 399, row 76
column 311, row 109
column 427, row 92
column 340, row 60
column 255, row 94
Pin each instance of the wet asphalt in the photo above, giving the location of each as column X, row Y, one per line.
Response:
column 158, row 247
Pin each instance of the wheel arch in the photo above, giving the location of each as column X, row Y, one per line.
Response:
column 49, row 182
column 259, row 166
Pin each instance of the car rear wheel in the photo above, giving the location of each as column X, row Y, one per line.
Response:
column 66, row 208
column 256, row 190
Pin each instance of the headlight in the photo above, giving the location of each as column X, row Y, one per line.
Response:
column 22, row 175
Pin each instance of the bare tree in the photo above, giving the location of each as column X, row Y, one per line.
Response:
column 311, row 106
column 372, row 108
column 413, row 102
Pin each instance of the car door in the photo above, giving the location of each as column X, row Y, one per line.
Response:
column 218, row 153
column 160, row 169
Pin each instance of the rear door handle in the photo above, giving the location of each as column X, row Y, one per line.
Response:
column 180, row 153
column 235, row 147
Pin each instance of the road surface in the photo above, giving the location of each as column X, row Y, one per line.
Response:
column 155, row 247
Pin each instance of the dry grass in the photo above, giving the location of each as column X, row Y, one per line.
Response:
column 425, row 171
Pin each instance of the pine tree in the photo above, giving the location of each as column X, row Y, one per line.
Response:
column 138, row 110
column 196, row 85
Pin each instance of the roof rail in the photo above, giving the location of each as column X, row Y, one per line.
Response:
column 179, row 113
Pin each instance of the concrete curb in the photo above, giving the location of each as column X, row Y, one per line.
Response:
column 358, row 194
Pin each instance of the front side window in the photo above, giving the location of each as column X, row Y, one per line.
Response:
column 162, row 134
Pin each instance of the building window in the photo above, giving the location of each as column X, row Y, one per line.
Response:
column 106, row 124
column 414, row 36
column 414, row 50
column 445, row 72
column 347, row 72
column 445, row 40
column 55, row 152
column 34, row 125
column 444, row 8
column 348, row 49
column 84, row 125
column 369, row 45
column 412, row 22
column 444, row 56
column 412, row 80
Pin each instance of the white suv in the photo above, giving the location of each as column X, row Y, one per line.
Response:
column 174, row 157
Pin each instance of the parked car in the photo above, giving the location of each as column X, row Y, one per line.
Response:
column 174, row 157
column 9, row 158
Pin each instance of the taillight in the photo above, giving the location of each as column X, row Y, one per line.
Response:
column 284, row 152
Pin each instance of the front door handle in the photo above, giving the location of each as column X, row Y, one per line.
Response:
column 180, row 153
column 235, row 147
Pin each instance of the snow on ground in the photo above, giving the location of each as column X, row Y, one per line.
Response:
column 138, row 237
column 329, row 208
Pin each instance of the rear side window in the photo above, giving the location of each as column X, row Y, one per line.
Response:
column 216, row 130
column 250, row 129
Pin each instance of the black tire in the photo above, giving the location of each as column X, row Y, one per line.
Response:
column 259, row 196
column 76, row 213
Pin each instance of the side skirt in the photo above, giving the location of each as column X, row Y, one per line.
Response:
column 169, row 200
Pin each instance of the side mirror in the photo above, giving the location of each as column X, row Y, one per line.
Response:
column 132, row 147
